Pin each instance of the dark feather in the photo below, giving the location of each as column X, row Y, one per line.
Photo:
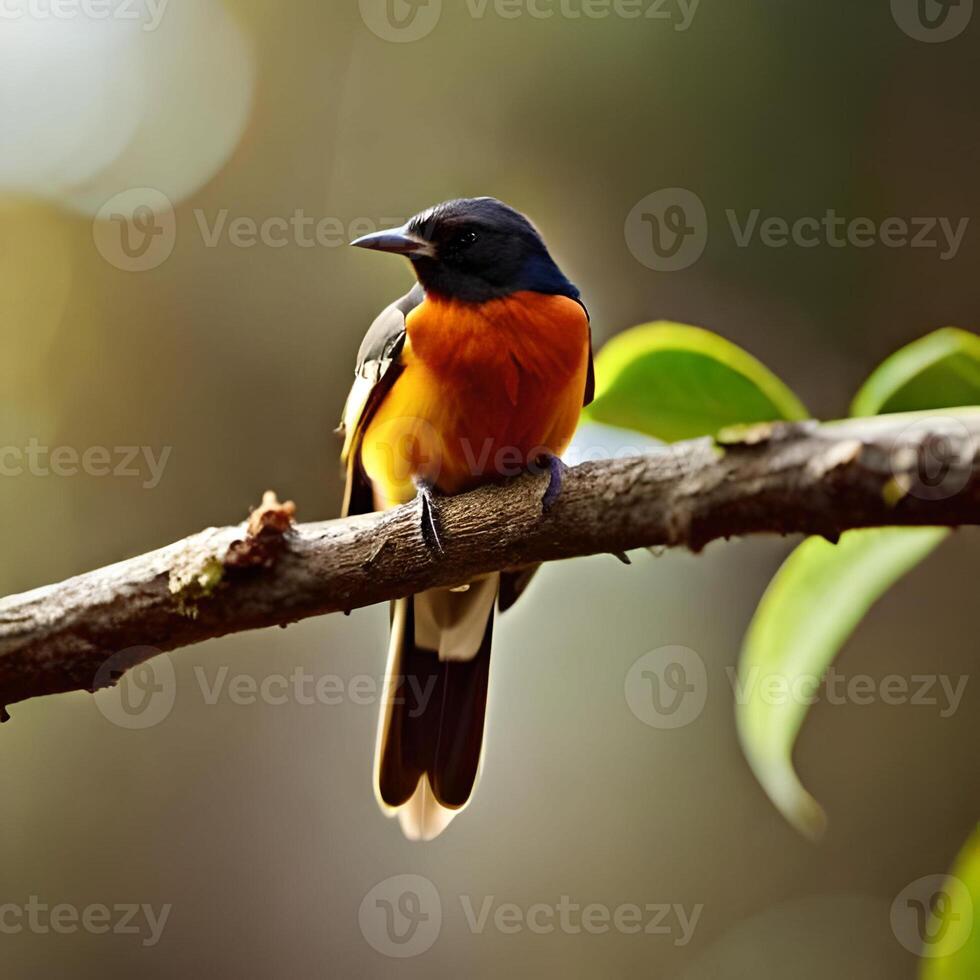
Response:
column 378, row 365
column 436, row 721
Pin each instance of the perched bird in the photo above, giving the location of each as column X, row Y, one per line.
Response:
column 477, row 374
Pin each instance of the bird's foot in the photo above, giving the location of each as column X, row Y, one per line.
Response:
column 429, row 516
column 555, row 469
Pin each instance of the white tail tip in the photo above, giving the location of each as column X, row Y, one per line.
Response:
column 423, row 817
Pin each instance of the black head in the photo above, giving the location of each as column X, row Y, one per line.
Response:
column 474, row 249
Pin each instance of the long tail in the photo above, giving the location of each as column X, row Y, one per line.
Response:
column 430, row 734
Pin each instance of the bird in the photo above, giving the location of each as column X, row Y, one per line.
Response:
column 477, row 374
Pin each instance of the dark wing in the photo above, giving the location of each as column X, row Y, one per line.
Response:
column 378, row 367
column 590, row 377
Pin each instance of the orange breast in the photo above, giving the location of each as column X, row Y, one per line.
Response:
column 485, row 390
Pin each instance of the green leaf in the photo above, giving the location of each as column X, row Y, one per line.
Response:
column 956, row 954
column 940, row 370
column 822, row 592
column 813, row 604
column 677, row 382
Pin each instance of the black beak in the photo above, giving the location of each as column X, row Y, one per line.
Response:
column 396, row 240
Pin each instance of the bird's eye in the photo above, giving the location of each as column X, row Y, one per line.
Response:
column 467, row 238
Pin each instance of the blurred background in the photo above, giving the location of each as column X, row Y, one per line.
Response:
column 177, row 184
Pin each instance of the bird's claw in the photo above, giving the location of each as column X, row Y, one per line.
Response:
column 556, row 471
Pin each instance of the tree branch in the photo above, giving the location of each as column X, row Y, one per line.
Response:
column 782, row 478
